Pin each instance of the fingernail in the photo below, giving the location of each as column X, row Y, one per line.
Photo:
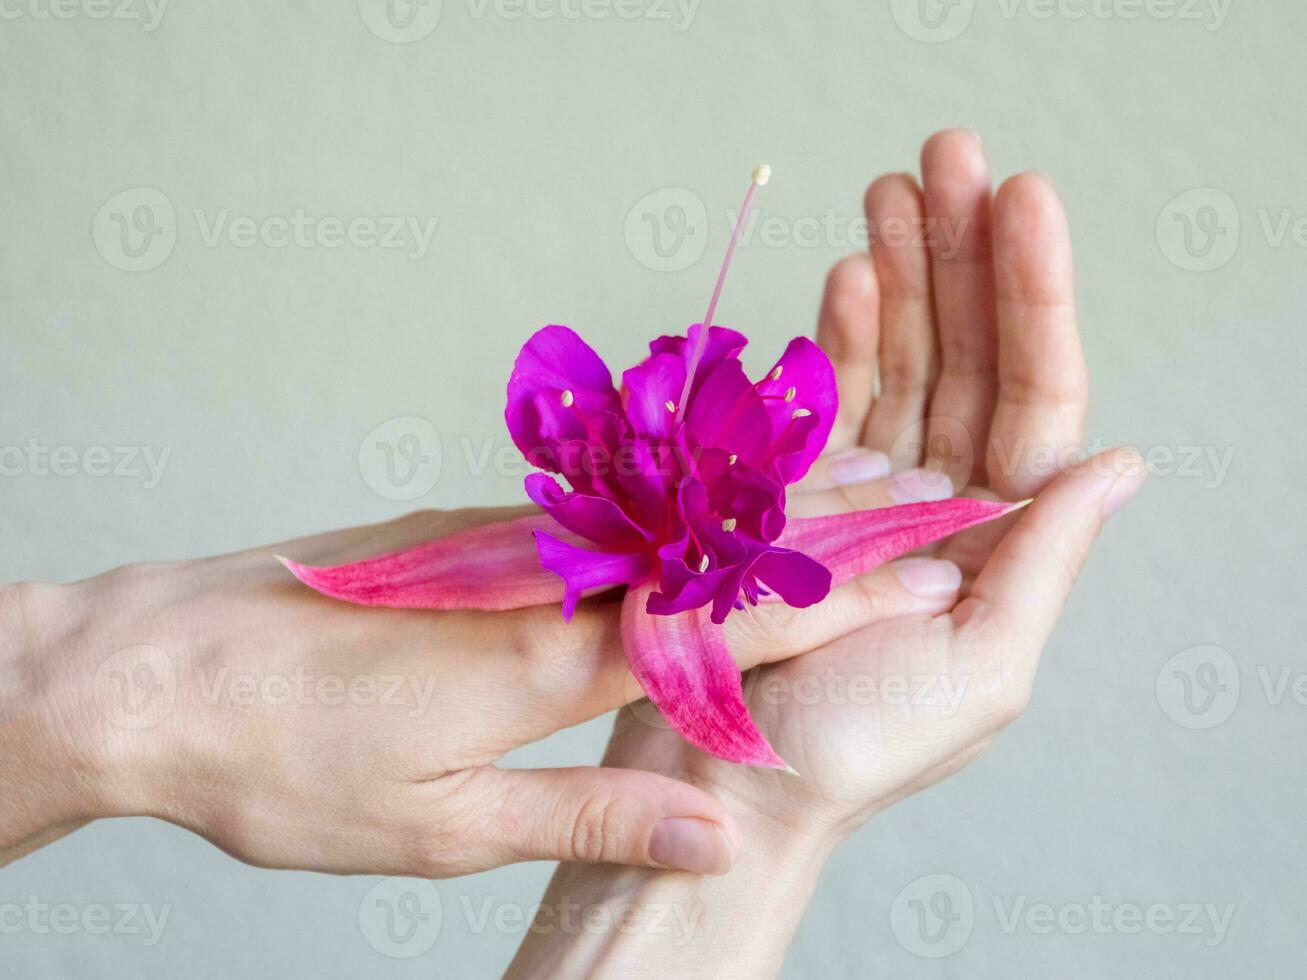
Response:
column 916, row 486
column 690, row 844
column 975, row 134
column 1133, row 472
column 859, row 466
column 930, row 578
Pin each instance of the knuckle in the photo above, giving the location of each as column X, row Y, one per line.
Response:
column 595, row 831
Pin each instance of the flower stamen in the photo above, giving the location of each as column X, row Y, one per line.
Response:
column 729, row 524
column 568, row 398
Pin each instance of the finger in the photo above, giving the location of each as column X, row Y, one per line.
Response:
column 1043, row 386
column 909, row 487
column 1021, row 589
column 598, row 816
column 848, row 332
column 957, row 192
column 908, row 358
column 857, row 464
column 562, row 678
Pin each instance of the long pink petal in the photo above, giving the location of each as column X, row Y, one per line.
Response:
column 495, row 566
column 684, row 666
column 852, row 544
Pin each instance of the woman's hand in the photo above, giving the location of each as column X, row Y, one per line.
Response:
column 982, row 385
column 296, row 731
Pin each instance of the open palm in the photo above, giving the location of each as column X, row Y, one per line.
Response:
column 959, row 367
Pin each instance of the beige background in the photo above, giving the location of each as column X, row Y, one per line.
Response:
column 533, row 142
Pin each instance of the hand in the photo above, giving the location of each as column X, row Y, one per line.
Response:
column 975, row 344
column 292, row 730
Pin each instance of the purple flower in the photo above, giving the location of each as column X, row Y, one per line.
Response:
column 691, row 497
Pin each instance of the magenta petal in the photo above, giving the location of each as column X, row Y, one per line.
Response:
column 558, row 386
column 727, row 413
column 494, row 566
column 596, row 518
column 653, row 387
column 851, row 544
column 805, row 368
column 684, row 666
column 583, row 570
column 797, row 578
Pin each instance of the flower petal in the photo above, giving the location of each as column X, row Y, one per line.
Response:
column 805, row 368
column 851, row 544
column 726, row 412
column 495, row 566
column 684, row 666
column 652, row 389
column 558, row 383
column 583, row 570
column 596, row 518
column 797, row 578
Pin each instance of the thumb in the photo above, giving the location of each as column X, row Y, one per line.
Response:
column 606, row 816
column 1028, row 577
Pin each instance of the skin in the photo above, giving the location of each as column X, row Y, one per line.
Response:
column 977, row 358
column 979, row 346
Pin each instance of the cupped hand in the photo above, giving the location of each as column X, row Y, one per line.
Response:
column 959, row 365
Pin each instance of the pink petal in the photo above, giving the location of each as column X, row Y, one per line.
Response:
column 684, row 666
column 495, row 566
column 586, row 571
column 851, row 544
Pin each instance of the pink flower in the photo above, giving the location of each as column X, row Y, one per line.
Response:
column 678, row 495
column 694, row 504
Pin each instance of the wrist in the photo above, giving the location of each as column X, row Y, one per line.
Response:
column 47, row 776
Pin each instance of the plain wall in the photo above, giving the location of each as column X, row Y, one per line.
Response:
column 533, row 142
